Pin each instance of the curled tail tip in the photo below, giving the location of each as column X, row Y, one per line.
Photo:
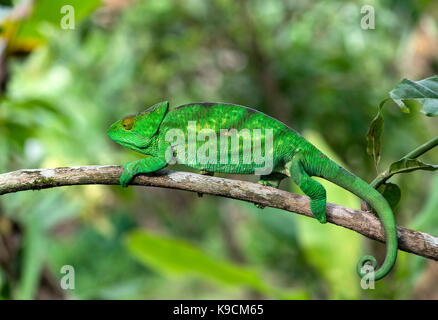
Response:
column 364, row 261
column 368, row 264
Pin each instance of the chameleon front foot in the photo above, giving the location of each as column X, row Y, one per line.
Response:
column 126, row 177
column 146, row 165
column 272, row 180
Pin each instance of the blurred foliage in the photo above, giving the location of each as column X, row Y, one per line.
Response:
column 24, row 31
column 308, row 64
column 175, row 257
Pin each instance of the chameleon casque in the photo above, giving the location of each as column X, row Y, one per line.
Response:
column 292, row 156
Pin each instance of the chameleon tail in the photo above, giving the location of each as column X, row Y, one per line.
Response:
column 363, row 190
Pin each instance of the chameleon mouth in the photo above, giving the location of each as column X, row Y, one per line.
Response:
column 128, row 143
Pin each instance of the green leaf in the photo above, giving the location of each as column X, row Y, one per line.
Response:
column 408, row 165
column 424, row 91
column 178, row 258
column 374, row 135
column 392, row 193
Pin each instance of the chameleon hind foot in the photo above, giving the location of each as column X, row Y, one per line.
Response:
column 318, row 209
column 311, row 188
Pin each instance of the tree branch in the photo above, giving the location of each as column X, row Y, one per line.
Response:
column 363, row 222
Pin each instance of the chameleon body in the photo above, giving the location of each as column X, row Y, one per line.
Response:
column 292, row 156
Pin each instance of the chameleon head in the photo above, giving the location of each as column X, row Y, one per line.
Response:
column 135, row 131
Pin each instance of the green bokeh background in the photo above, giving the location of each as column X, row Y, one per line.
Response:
column 307, row 63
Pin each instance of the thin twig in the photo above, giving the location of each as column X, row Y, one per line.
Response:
column 387, row 174
column 362, row 222
column 432, row 143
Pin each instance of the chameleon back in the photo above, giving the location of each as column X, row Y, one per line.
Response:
column 220, row 118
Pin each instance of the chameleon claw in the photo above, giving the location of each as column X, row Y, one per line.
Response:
column 126, row 177
column 206, row 173
column 273, row 180
column 259, row 205
column 318, row 209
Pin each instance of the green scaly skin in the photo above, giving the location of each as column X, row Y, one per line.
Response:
column 293, row 157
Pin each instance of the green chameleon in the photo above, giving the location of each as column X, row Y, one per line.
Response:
column 292, row 156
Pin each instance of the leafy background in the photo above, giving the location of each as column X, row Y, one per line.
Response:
column 306, row 63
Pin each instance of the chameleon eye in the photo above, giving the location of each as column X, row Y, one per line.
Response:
column 128, row 123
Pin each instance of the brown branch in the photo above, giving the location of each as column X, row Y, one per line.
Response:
column 363, row 222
